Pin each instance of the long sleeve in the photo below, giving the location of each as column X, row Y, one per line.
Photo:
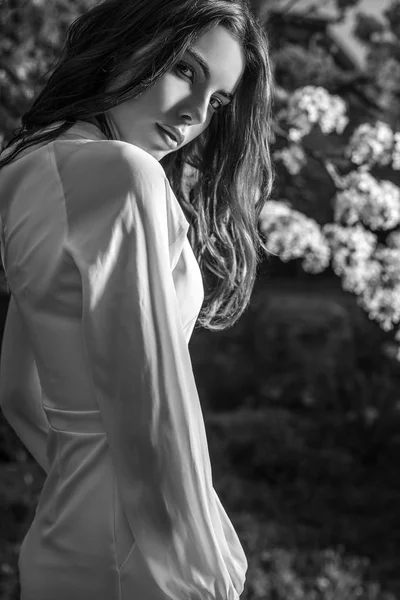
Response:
column 141, row 368
column 20, row 389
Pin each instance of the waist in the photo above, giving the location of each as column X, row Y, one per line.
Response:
column 76, row 421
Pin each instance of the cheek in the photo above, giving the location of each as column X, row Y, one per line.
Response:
column 156, row 100
column 168, row 92
column 196, row 130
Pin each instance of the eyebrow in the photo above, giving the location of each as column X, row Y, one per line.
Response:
column 206, row 69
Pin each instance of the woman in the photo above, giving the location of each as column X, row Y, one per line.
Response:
column 110, row 262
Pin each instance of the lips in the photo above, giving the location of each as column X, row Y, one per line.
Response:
column 174, row 133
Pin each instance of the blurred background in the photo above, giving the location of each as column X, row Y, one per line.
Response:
column 302, row 397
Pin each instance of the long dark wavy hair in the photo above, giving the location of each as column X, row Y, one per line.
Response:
column 231, row 158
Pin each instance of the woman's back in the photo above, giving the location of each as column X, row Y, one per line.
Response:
column 52, row 198
column 105, row 281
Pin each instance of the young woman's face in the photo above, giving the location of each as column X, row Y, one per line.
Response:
column 185, row 98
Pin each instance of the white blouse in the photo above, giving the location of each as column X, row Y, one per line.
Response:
column 104, row 279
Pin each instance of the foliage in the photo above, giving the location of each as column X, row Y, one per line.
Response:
column 300, row 67
column 356, row 237
column 305, row 492
column 362, row 205
column 32, row 34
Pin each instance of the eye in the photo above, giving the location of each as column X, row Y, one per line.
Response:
column 182, row 66
column 219, row 105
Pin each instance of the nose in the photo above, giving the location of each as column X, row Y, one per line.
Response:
column 195, row 110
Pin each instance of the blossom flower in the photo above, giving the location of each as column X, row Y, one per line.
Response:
column 371, row 144
column 375, row 203
column 390, row 262
column 296, row 134
column 293, row 157
column 382, row 304
column 371, row 272
column 290, row 235
column 382, row 301
column 314, row 105
column 352, row 251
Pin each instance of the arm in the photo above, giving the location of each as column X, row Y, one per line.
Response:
column 20, row 390
column 141, row 367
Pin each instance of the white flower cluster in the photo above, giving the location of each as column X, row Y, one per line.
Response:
column 381, row 300
column 368, row 270
column 293, row 157
column 389, row 259
column 371, row 144
column 371, row 272
column 290, row 235
column 352, row 251
column 375, row 203
column 311, row 105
